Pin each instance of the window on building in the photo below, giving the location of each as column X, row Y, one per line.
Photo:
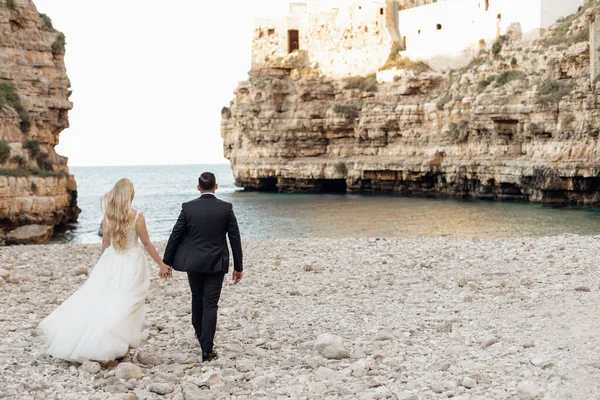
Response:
column 487, row 5
column 271, row 32
column 438, row 27
column 499, row 16
column 293, row 40
column 404, row 42
column 419, row 31
column 381, row 11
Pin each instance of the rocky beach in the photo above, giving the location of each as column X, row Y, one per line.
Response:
column 411, row 318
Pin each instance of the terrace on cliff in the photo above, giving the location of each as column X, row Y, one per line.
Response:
column 519, row 121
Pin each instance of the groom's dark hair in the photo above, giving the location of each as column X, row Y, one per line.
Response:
column 207, row 181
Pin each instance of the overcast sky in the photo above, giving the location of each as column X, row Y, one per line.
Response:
column 150, row 77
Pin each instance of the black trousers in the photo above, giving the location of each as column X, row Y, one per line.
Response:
column 206, row 291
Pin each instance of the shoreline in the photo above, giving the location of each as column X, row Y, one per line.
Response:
column 420, row 317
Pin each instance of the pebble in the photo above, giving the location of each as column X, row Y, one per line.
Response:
column 469, row 383
column 81, row 270
column 162, row 388
column 145, row 357
column 583, row 289
column 488, row 341
column 331, row 346
column 4, row 274
column 192, row 392
column 128, row 371
column 405, row 325
column 527, row 390
column 91, row 367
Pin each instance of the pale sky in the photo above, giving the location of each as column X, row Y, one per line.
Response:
column 150, row 77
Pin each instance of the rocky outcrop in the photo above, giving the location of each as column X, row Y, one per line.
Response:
column 520, row 122
column 30, row 234
column 35, row 185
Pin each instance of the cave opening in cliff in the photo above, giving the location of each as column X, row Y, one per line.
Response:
column 333, row 186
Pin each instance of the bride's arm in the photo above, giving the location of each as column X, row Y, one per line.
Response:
column 105, row 237
column 142, row 232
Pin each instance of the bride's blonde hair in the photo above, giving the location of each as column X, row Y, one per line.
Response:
column 118, row 219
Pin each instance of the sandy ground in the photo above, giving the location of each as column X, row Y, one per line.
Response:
column 420, row 318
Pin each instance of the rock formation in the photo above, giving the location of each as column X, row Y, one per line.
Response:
column 35, row 185
column 520, row 122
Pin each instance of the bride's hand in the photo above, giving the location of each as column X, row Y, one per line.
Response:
column 165, row 271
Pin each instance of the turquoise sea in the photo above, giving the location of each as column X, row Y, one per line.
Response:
column 160, row 190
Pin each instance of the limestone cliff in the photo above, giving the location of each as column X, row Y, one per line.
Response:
column 35, row 185
column 520, row 122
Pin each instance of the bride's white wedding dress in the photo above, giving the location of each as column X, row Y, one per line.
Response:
column 104, row 317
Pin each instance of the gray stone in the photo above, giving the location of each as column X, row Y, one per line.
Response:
column 244, row 365
column 331, row 346
column 147, row 358
column 192, row 392
column 162, row 388
column 91, row 367
column 80, row 270
column 30, row 234
column 488, row 341
column 437, row 387
column 4, row 274
column 583, row 289
column 128, row 371
column 526, row 390
column 123, row 396
column 469, row 383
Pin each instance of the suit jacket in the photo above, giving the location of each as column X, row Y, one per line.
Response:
column 198, row 241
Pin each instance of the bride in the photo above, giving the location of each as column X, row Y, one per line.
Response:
column 104, row 317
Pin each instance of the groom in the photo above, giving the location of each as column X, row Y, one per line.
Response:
column 198, row 246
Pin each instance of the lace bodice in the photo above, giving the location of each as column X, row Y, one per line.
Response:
column 132, row 236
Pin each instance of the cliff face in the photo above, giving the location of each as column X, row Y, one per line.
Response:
column 35, row 186
column 520, row 122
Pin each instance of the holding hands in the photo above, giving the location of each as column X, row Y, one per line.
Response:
column 165, row 272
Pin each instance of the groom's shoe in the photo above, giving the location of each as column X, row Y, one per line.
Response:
column 209, row 356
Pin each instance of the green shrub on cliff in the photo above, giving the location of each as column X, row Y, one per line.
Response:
column 58, row 47
column 4, row 150
column 487, row 81
column 395, row 60
column 349, row 111
column 364, row 83
column 552, row 92
column 508, row 76
column 497, row 46
column 559, row 32
column 13, row 172
column 33, row 146
column 31, row 171
column 47, row 21
column 10, row 97
column 25, row 121
column 19, row 159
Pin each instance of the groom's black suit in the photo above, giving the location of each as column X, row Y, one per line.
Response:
column 198, row 246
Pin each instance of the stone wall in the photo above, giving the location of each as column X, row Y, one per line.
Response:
column 449, row 33
column 35, row 186
column 341, row 38
column 520, row 124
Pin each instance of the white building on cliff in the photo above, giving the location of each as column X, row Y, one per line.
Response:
column 355, row 37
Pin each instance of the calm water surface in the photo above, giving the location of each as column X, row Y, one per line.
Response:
column 160, row 190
